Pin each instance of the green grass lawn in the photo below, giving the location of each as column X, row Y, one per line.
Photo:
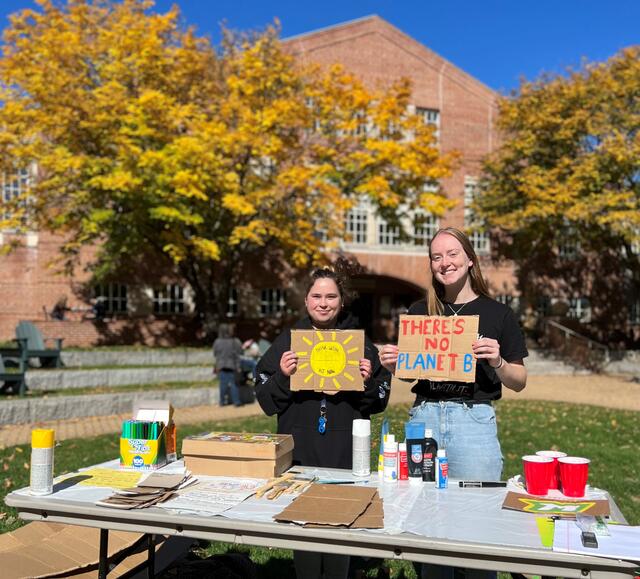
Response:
column 608, row 437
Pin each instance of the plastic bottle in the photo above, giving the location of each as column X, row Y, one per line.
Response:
column 390, row 459
column 41, row 476
column 430, row 452
column 403, row 467
column 442, row 469
column 361, row 456
column 414, row 432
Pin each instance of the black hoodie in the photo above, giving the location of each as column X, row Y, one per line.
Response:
column 298, row 412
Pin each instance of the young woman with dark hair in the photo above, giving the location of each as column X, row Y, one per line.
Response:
column 299, row 412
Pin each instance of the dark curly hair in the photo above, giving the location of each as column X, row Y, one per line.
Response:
column 339, row 273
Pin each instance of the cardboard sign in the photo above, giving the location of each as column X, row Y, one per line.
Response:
column 558, row 507
column 328, row 360
column 437, row 348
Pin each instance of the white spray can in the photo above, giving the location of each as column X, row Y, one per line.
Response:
column 361, row 454
column 390, row 459
column 442, row 469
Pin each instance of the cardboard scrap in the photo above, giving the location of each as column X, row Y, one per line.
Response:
column 330, row 505
column 43, row 549
column 328, row 360
column 156, row 488
column 559, row 507
column 437, row 347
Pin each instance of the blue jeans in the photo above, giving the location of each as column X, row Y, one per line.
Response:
column 470, row 436
column 468, row 433
column 228, row 387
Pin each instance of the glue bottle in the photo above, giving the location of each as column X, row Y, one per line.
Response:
column 361, row 456
column 41, row 476
column 403, row 466
column 442, row 469
column 390, row 459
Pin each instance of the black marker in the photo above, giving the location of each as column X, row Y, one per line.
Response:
column 476, row 484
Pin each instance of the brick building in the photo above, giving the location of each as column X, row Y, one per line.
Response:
column 464, row 113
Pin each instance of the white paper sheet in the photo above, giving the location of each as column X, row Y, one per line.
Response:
column 623, row 542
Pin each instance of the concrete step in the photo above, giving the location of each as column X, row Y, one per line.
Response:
column 63, row 379
column 34, row 410
column 146, row 357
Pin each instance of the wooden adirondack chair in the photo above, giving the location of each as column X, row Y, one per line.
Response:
column 12, row 380
column 35, row 345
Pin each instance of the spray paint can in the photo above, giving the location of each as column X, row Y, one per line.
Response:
column 41, row 476
column 442, row 469
column 361, row 454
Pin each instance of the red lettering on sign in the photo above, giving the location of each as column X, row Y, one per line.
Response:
column 459, row 325
column 430, row 344
column 452, row 361
column 440, row 365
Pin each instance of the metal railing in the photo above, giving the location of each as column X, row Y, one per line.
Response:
column 575, row 348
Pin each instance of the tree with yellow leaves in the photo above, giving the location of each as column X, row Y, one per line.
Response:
column 563, row 191
column 157, row 148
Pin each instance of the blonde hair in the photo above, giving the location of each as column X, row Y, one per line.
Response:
column 435, row 290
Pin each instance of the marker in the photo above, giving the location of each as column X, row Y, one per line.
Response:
column 476, row 484
column 340, row 482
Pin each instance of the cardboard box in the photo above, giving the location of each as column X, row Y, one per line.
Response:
column 238, row 454
column 149, row 454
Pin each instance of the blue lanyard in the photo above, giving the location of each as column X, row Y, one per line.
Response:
column 322, row 421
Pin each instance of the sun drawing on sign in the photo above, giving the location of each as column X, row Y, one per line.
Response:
column 329, row 359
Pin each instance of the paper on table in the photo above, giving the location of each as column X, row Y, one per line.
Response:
column 214, row 495
column 104, row 477
column 623, row 542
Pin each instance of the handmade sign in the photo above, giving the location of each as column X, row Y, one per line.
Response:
column 328, row 360
column 437, row 348
column 558, row 507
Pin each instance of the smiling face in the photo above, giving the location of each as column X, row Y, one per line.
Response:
column 323, row 303
column 449, row 262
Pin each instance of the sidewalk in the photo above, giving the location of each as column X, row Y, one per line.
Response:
column 619, row 392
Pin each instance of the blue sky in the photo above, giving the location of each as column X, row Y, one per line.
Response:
column 497, row 41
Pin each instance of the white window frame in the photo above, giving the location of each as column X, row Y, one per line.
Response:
column 388, row 235
column 232, row 303
column 13, row 185
column 273, row 302
column 430, row 117
column 115, row 296
column 579, row 309
column 357, row 224
column 634, row 313
column 169, row 299
column 479, row 239
column 425, row 226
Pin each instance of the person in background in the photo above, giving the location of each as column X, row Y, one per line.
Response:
column 321, row 424
column 60, row 309
column 227, row 351
column 461, row 414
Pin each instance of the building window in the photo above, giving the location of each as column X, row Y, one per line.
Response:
column 579, row 309
column 232, row 303
column 356, row 225
column 568, row 249
column 430, row 117
column 388, row 234
column 634, row 313
column 168, row 299
column 114, row 296
column 424, row 228
column 14, row 185
column 479, row 239
column 543, row 306
column 273, row 302
column 509, row 300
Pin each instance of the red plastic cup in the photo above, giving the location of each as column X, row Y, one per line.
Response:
column 574, row 472
column 537, row 473
column 555, row 476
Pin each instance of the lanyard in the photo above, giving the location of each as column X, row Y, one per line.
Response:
column 322, row 421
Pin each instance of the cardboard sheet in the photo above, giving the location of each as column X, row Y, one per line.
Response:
column 328, row 360
column 335, row 506
column 437, row 348
column 554, row 506
column 42, row 549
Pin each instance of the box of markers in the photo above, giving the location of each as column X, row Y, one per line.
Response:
column 147, row 441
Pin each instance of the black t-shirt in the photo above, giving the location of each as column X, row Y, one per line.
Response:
column 497, row 321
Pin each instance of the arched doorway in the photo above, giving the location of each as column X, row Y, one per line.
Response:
column 379, row 302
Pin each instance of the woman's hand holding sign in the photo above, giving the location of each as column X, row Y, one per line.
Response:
column 289, row 363
column 389, row 357
column 488, row 349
